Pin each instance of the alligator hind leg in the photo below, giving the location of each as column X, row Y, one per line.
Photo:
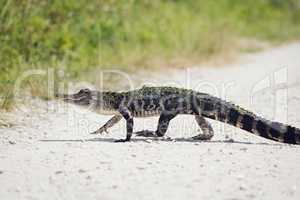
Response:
column 206, row 128
column 163, row 124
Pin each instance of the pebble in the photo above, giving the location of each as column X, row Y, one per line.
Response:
column 242, row 188
column 251, row 196
column 141, row 168
column 230, row 140
column 114, row 186
column 58, row 172
column 240, row 176
column 81, row 171
column 11, row 142
column 244, row 149
column 1, row 172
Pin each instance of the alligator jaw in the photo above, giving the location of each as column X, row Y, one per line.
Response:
column 66, row 97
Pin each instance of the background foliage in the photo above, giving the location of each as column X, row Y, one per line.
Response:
column 81, row 35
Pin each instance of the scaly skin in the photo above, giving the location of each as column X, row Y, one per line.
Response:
column 168, row 102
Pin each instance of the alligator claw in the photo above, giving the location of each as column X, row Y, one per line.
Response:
column 145, row 133
column 121, row 140
column 100, row 130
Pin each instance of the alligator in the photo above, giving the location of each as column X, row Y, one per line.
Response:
column 167, row 103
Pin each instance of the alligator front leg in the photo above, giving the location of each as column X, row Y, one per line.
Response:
column 129, row 124
column 115, row 119
column 163, row 124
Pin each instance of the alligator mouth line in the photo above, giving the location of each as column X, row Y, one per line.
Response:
column 67, row 97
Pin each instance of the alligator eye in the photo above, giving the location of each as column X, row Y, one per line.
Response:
column 82, row 91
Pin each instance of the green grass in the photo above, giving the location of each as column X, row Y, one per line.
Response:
column 83, row 35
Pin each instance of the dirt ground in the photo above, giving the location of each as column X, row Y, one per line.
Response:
column 48, row 154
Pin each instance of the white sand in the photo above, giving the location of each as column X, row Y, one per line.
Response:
column 48, row 153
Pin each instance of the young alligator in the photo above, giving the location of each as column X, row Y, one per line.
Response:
column 167, row 102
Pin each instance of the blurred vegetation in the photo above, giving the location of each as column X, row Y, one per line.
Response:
column 81, row 35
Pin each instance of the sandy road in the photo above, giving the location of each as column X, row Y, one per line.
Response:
column 48, row 154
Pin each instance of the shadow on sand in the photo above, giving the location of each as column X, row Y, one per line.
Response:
column 152, row 139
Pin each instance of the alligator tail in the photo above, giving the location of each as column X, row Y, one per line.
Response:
column 229, row 113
